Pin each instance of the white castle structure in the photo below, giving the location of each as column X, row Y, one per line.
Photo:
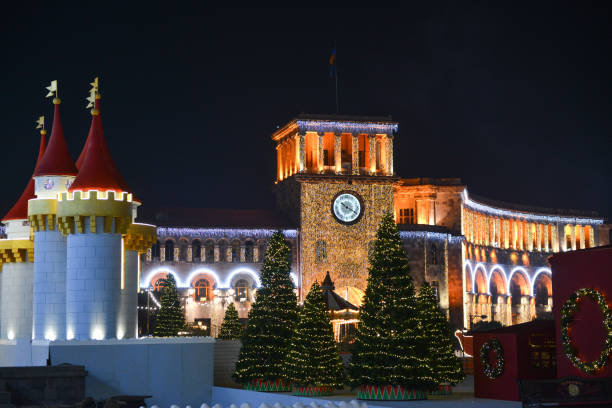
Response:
column 71, row 259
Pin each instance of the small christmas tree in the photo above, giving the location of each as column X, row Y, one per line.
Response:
column 389, row 348
column 313, row 364
column 231, row 328
column 265, row 341
column 446, row 366
column 170, row 318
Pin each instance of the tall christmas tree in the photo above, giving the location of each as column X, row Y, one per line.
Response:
column 231, row 328
column 265, row 341
column 446, row 366
column 389, row 348
column 170, row 318
column 313, row 363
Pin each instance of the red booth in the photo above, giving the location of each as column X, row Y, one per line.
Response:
column 528, row 352
column 582, row 282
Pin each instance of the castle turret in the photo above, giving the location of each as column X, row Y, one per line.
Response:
column 97, row 214
column 17, row 265
column 53, row 175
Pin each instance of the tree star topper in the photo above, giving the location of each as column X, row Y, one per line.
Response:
column 52, row 89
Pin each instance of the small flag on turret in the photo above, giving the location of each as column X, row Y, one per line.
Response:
column 40, row 123
column 332, row 62
column 52, row 88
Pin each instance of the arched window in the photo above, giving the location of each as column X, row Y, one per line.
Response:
column 262, row 251
column 196, row 250
column 248, row 251
column 155, row 251
column 434, row 254
column 320, row 251
column 159, row 284
column 241, row 289
column 223, row 251
column 203, row 290
column 169, row 250
column 183, row 244
column 209, row 249
column 235, row 251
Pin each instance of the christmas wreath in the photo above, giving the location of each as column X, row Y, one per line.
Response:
column 485, row 351
column 567, row 317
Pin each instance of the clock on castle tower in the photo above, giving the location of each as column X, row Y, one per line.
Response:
column 335, row 180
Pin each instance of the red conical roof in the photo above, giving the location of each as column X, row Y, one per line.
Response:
column 97, row 171
column 79, row 161
column 20, row 209
column 57, row 160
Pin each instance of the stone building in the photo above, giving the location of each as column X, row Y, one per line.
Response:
column 335, row 179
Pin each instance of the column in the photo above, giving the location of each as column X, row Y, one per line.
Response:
column 573, row 232
column 255, row 253
column 372, row 153
column 592, row 237
column 555, row 238
column 538, row 237
column 242, row 253
column 162, row 253
column 203, row 253
column 279, row 163
column 176, row 253
column 547, row 237
column 321, row 163
column 389, row 154
column 300, row 154
column 149, row 255
column 506, row 224
column 216, row 253
column 355, row 153
column 189, row 253
column 228, row 253
column 582, row 243
column 338, row 152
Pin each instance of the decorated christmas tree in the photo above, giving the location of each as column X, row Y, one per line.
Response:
column 170, row 318
column 390, row 351
column 446, row 366
column 313, row 363
column 231, row 328
column 265, row 341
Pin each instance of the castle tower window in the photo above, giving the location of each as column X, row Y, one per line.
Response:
column 242, row 290
column 203, row 290
column 235, row 251
column 196, row 250
column 320, row 251
column 209, row 251
column 169, row 250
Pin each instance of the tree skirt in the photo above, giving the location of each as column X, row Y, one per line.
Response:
column 259, row 384
column 389, row 393
column 443, row 389
column 312, row 391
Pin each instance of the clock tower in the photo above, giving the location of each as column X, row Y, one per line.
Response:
column 335, row 181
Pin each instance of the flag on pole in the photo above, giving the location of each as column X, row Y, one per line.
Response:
column 52, row 88
column 332, row 62
column 40, row 123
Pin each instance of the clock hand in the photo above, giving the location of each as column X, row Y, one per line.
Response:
column 349, row 208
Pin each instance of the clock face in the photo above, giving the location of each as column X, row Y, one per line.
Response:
column 347, row 208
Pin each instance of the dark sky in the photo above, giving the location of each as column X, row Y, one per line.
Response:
column 513, row 99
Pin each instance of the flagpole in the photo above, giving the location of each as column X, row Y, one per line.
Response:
column 336, row 76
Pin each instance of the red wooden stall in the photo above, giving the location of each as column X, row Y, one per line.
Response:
column 529, row 353
column 571, row 271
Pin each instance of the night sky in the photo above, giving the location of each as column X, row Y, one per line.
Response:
column 514, row 100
